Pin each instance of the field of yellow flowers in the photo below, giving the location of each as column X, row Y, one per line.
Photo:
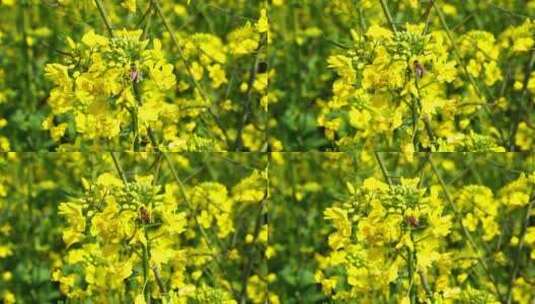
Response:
column 267, row 151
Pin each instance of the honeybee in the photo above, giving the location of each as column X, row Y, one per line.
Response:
column 419, row 69
column 412, row 221
column 144, row 215
column 135, row 74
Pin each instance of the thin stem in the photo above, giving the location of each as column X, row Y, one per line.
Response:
column 147, row 19
column 383, row 169
column 104, row 16
column 465, row 231
column 157, row 275
column 516, row 265
column 427, row 17
column 192, row 210
column 27, row 55
column 249, row 267
column 134, row 113
column 185, row 195
column 119, row 168
column 180, row 52
column 425, row 118
column 514, row 126
column 388, row 16
column 414, row 123
column 412, row 293
column 425, row 283
column 146, row 262
column 145, row 14
column 455, row 49
column 247, row 110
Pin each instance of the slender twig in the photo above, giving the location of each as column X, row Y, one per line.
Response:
column 247, row 110
column 411, row 256
column 119, row 169
column 521, row 241
column 463, row 22
column 527, row 74
column 458, row 216
column 515, row 14
column 157, row 275
column 133, row 112
column 257, row 226
column 388, row 15
column 27, row 54
column 249, row 267
column 146, row 259
column 383, row 169
column 425, row 118
column 147, row 23
column 145, row 14
column 455, row 49
column 425, row 284
column 180, row 52
column 427, row 16
column 184, row 194
column 104, row 16
column 146, row 247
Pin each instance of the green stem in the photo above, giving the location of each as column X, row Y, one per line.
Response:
column 119, row 169
column 427, row 122
column 247, row 107
column 383, row 169
column 415, row 118
column 413, row 264
column 252, row 252
column 158, row 279
column 104, row 16
column 146, row 261
column 27, row 55
column 521, row 241
column 425, row 284
column 456, row 52
column 517, row 117
column 466, row 233
column 388, row 16
column 134, row 113
column 410, row 261
column 196, row 84
column 428, row 17
column 184, row 194
column 147, row 15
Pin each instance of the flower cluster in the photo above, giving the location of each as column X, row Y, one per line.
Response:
column 421, row 243
column 127, row 91
column 111, row 88
column 404, row 76
column 137, row 241
column 398, row 83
